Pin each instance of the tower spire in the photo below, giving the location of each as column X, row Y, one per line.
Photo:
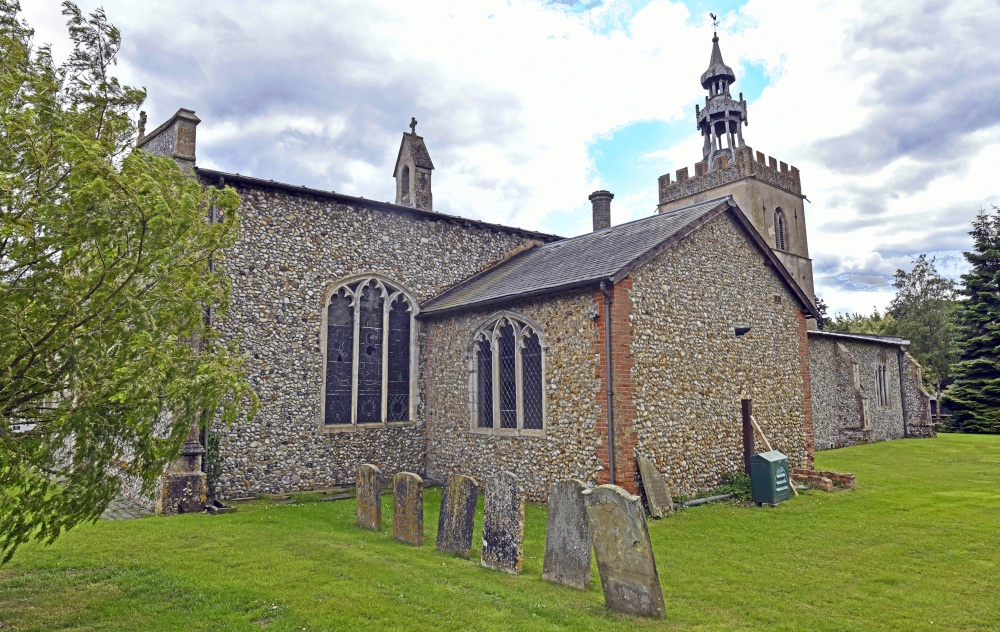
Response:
column 722, row 119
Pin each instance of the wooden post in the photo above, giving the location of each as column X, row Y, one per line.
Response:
column 747, row 434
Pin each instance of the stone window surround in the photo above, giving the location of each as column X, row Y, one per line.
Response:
column 780, row 230
column 881, row 385
column 389, row 297
column 491, row 326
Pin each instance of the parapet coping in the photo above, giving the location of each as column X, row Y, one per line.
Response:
column 382, row 206
column 889, row 340
column 182, row 113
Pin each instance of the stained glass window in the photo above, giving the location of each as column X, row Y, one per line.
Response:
column 398, row 391
column 368, row 354
column 531, row 362
column 339, row 358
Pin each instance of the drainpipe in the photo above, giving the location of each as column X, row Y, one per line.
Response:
column 902, row 391
column 607, row 368
column 213, row 218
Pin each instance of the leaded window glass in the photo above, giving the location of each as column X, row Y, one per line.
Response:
column 369, row 341
column 339, row 358
column 531, row 357
column 508, row 376
column 398, row 392
column 484, row 383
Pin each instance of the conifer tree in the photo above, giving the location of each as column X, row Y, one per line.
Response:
column 974, row 396
column 106, row 359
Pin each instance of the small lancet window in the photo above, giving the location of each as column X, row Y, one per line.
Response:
column 881, row 383
column 780, row 230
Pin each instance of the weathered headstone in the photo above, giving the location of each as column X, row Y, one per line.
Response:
column 567, row 536
column 408, row 508
column 658, row 497
column 369, row 497
column 624, row 553
column 503, row 524
column 458, row 515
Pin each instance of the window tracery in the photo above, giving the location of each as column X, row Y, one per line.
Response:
column 368, row 353
column 507, row 383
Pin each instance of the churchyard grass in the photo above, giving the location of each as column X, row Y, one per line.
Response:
column 915, row 546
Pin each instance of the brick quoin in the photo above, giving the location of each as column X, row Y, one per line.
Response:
column 623, row 386
column 807, row 413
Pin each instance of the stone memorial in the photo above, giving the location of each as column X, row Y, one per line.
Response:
column 503, row 524
column 658, row 497
column 458, row 515
column 567, row 537
column 408, row 508
column 623, row 551
column 369, row 497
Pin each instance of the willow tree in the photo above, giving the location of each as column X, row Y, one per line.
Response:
column 105, row 357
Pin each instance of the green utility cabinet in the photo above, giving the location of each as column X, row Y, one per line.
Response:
column 770, row 478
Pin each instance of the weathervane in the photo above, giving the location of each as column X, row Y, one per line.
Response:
column 413, row 125
column 715, row 23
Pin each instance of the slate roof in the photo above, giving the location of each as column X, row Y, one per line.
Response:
column 418, row 150
column 608, row 254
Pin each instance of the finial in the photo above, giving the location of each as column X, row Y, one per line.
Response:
column 413, row 125
column 142, row 124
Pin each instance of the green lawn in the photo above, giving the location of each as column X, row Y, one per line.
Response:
column 915, row 546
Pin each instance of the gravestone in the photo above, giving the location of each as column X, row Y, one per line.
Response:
column 408, row 508
column 503, row 524
column 458, row 515
column 623, row 551
column 657, row 495
column 369, row 497
column 567, row 537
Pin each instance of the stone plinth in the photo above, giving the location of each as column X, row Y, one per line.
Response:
column 567, row 537
column 623, row 551
column 182, row 488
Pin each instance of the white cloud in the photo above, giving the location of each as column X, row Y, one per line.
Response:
column 510, row 93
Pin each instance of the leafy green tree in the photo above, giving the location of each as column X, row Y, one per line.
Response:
column 876, row 323
column 104, row 278
column 974, row 396
column 924, row 309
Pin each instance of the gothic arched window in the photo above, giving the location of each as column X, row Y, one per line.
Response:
column 508, row 382
column 368, row 353
column 780, row 230
column 881, row 384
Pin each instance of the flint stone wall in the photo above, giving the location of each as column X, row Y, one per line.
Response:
column 691, row 370
column 567, row 448
column 293, row 247
column 836, row 409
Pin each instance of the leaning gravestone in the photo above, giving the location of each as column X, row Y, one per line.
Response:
column 369, row 497
column 624, row 553
column 458, row 515
column 503, row 524
column 408, row 508
column 567, row 537
column 657, row 495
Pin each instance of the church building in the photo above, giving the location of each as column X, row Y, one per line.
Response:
column 419, row 341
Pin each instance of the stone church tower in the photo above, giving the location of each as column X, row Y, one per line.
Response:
column 768, row 191
column 413, row 171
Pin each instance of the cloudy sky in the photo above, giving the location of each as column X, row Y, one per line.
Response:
column 889, row 109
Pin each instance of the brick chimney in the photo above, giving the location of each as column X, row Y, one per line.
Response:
column 602, row 208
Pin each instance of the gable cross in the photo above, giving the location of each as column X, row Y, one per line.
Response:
column 413, row 125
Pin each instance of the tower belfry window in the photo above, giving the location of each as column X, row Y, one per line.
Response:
column 780, row 230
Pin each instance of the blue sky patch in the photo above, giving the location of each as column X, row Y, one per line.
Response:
column 700, row 9
column 618, row 156
column 751, row 81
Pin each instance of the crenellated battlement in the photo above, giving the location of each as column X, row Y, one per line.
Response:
column 764, row 168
